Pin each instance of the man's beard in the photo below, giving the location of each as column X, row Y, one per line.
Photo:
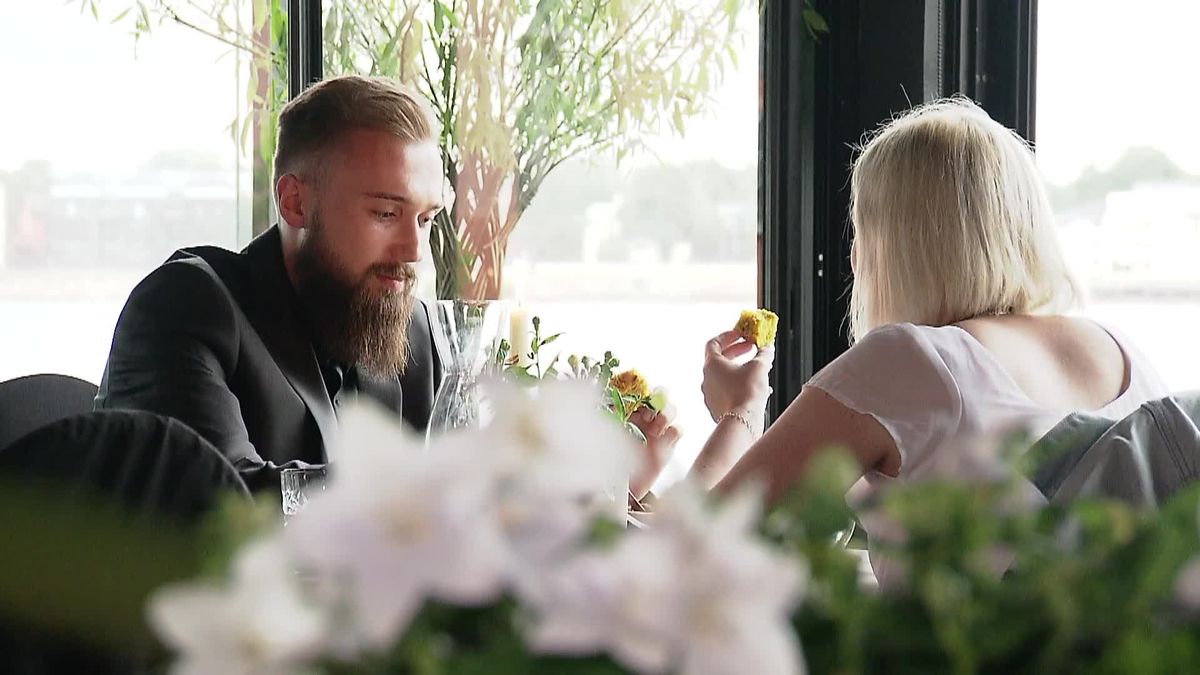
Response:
column 356, row 325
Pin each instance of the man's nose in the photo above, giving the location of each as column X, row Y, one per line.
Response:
column 406, row 246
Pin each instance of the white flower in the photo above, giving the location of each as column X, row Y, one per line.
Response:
column 556, row 459
column 399, row 524
column 1187, row 585
column 556, row 441
column 256, row 623
column 540, row 530
column 697, row 593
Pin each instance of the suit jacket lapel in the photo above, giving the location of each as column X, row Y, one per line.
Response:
column 277, row 319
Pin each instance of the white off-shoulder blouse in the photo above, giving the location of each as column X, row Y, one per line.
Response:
column 938, row 390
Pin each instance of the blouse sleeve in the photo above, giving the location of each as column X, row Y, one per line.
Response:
column 897, row 376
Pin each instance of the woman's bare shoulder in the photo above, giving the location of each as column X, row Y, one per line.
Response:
column 1058, row 360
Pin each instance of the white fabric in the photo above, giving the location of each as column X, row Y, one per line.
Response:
column 939, row 391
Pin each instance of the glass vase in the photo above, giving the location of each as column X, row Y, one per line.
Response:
column 472, row 329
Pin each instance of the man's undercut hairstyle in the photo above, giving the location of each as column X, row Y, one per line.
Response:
column 313, row 124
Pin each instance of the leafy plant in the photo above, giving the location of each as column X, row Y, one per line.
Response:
column 524, row 366
column 986, row 581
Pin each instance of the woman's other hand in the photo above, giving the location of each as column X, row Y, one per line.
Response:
column 661, row 436
column 730, row 386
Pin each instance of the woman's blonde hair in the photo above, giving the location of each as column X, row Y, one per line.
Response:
column 951, row 222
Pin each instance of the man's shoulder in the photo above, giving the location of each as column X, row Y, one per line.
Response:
column 221, row 264
column 197, row 282
column 199, row 269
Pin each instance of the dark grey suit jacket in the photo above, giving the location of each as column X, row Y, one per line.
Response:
column 215, row 339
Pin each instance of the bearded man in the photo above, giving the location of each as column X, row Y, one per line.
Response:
column 257, row 350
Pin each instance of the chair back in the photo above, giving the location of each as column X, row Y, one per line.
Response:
column 29, row 402
column 1142, row 459
column 145, row 462
column 156, row 470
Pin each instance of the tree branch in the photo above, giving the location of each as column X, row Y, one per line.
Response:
column 174, row 16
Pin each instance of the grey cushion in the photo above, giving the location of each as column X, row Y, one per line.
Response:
column 1142, row 459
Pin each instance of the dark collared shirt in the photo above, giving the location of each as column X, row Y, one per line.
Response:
column 340, row 382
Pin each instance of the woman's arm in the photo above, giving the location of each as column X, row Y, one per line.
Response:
column 736, row 396
column 815, row 421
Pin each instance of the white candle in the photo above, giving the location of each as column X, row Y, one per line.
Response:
column 520, row 334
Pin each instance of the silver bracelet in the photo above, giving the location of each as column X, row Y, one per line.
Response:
column 741, row 417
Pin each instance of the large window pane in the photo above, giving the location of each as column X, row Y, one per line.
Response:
column 113, row 153
column 614, row 145
column 1117, row 140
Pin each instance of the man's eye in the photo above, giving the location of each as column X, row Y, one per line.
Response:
column 385, row 215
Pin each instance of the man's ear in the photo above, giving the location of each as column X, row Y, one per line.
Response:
column 292, row 196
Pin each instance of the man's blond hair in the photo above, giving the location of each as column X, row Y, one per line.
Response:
column 951, row 221
column 313, row 124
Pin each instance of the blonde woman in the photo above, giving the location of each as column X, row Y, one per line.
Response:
column 955, row 316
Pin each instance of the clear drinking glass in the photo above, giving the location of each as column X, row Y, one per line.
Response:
column 297, row 486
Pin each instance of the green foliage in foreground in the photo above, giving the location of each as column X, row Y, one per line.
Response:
column 994, row 586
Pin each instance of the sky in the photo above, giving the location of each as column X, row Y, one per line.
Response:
column 82, row 100
column 1110, row 76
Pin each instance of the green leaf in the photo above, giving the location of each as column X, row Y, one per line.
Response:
column 550, row 339
column 618, row 403
column 124, row 13
column 677, row 120
column 439, row 17
column 815, row 21
column 520, row 375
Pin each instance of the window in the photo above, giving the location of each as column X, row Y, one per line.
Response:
column 114, row 152
column 1117, row 142
column 655, row 255
column 634, row 229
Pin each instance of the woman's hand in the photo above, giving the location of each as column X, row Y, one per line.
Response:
column 729, row 386
column 661, row 436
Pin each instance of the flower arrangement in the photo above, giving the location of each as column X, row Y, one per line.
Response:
column 478, row 555
column 479, row 552
column 624, row 391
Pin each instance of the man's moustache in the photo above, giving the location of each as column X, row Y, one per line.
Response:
column 405, row 273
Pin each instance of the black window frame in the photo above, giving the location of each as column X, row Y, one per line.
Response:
column 304, row 45
column 821, row 97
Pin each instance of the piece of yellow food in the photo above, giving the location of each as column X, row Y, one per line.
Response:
column 630, row 383
column 758, row 326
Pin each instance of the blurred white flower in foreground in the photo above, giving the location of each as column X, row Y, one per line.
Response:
column 555, row 440
column 396, row 525
column 698, row 593
column 557, row 461
column 1187, row 585
column 256, row 623
column 476, row 514
column 458, row 521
